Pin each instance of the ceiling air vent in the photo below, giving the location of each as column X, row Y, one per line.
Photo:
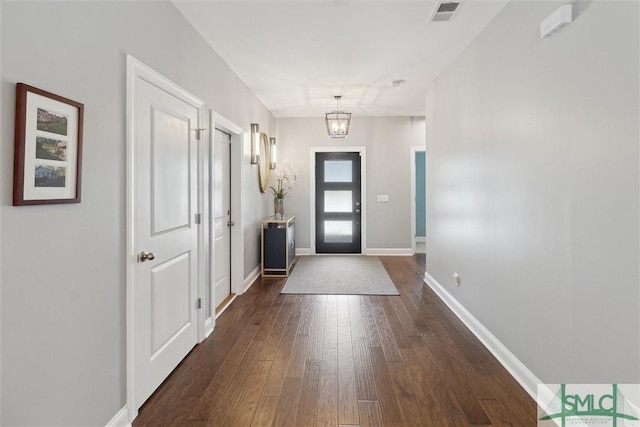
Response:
column 445, row 11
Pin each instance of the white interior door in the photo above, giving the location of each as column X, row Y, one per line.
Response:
column 221, row 199
column 165, row 291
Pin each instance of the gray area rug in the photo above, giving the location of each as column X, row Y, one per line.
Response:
column 335, row 275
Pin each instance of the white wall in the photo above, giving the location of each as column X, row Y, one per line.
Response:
column 388, row 142
column 533, row 188
column 63, row 267
column 255, row 205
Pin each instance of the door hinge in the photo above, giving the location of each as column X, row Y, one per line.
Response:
column 199, row 133
column 198, row 218
column 199, row 303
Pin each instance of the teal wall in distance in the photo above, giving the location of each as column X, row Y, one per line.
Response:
column 421, row 195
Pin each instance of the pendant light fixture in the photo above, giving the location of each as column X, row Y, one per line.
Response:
column 337, row 121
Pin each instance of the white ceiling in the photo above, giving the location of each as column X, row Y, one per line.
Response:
column 296, row 55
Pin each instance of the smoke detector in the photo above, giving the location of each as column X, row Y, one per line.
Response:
column 445, row 11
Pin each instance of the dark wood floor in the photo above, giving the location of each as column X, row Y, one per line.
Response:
column 307, row 360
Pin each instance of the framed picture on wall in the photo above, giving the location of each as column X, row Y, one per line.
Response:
column 48, row 148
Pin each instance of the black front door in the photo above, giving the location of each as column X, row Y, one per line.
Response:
column 338, row 207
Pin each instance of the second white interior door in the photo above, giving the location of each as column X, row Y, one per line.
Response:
column 221, row 199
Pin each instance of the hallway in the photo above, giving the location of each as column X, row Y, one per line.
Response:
column 306, row 360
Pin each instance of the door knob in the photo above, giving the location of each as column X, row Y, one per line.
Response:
column 230, row 224
column 146, row 256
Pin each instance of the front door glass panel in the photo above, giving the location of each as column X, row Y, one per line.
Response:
column 338, row 171
column 338, row 201
column 338, row 231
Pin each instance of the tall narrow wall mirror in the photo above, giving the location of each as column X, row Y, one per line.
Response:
column 264, row 163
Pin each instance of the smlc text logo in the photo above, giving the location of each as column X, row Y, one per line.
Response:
column 588, row 405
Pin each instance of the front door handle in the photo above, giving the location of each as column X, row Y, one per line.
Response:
column 146, row 256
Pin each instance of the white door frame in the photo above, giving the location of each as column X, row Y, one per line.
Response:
column 414, row 150
column 363, row 191
column 137, row 70
column 218, row 121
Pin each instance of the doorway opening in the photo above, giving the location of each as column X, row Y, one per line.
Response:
column 418, row 200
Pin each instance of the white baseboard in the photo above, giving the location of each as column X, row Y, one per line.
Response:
column 389, row 252
column 516, row 368
column 208, row 327
column 222, row 309
column 121, row 419
column 303, row 251
column 248, row 281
